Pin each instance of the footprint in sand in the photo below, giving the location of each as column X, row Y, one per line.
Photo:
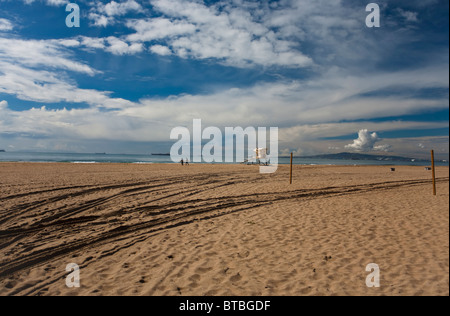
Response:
column 236, row 278
column 306, row 291
column 142, row 280
column 201, row 270
column 244, row 254
column 194, row 278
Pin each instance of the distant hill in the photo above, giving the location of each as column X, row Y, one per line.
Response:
column 2, row 150
column 356, row 156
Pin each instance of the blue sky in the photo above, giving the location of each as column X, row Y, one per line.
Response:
column 136, row 69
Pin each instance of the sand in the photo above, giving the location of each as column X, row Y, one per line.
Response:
column 222, row 230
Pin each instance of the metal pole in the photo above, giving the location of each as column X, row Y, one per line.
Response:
column 433, row 167
column 292, row 158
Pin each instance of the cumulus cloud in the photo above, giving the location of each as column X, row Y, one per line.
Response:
column 367, row 142
column 119, row 47
column 160, row 50
column 92, row 42
column 119, row 8
column 247, row 33
column 158, row 28
column 231, row 34
column 104, row 14
column 99, row 20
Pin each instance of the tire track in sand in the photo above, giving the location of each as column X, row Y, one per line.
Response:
column 160, row 217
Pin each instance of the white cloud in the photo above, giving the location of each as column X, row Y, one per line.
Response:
column 77, row 124
column 307, row 132
column 57, row 2
column 109, row 44
column 409, row 16
column 230, row 34
column 34, row 53
column 3, row 104
column 80, row 125
column 119, row 8
column 332, row 97
column 385, row 148
column 248, row 33
column 104, row 14
column 49, row 2
column 160, row 50
column 5, row 25
column 69, row 42
column 92, row 42
column 100, row 20
column 158, row 28
column 366, row 142
column 118, row 47
column 45, row 86
column 36, row 71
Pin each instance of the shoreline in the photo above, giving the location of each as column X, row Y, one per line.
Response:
column 369, row 164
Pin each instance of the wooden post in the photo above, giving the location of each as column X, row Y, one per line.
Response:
column 292, row 157
column 434, row 172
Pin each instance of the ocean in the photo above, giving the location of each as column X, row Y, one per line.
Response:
column 143, row 159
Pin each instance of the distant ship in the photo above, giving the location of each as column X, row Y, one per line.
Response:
column 160, row 154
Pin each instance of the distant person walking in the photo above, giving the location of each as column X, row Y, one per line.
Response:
column 182, row 162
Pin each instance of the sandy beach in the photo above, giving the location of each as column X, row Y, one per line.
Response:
column 222, row 230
